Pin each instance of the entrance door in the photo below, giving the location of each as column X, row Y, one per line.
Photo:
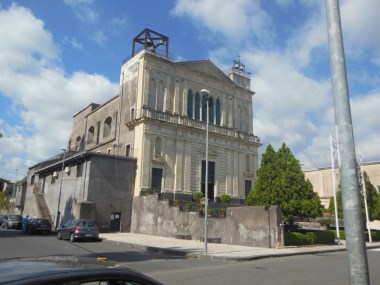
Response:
column 156, row 180
column 115, row 221
column 211, row 179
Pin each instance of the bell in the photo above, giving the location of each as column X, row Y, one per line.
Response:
column 149, row 42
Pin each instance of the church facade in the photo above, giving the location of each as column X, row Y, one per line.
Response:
column 160, row 118
column 154, row 136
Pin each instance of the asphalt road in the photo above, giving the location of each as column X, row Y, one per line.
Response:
column 327, row 268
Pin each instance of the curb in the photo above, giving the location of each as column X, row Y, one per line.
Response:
column 199, row 255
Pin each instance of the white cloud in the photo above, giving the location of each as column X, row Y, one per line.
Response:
column 42, row 95
column 359, row 23
column 237, row 19
column 83, row 10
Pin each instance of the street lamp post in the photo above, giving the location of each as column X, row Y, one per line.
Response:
column 60, row 190
column 207, row 93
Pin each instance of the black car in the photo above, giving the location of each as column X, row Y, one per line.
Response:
column 2, row 217
column 12, row 222
column 79, row 230
column 38, row 226
column 69, row 270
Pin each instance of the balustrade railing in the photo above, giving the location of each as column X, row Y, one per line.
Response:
column 131, row 119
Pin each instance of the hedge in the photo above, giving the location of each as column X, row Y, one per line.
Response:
column 310, row 237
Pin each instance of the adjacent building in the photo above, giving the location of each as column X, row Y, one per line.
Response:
column 322, row 179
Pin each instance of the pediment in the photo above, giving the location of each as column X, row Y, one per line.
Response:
column 205, row 67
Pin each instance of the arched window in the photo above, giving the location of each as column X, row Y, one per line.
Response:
column 77, row 143
column 217, row 110
column 90, row 134
column 157, row 146
column 190, row 104
column 152, row 94
column 197, row 106
column 107, row 127
column 204, row 109
column 211, row 110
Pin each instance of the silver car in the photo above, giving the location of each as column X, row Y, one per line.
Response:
column 79, row 230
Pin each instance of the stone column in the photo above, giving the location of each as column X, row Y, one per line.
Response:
column 184, row 98
column 170, row 163
column 223, row 110
column 230, row 112
column 167, row 107
column 187, row 170
column 229, row 174
column 235, row 171
column 145, row 90
column 250, row 117
column 179, row 166
column 176, row 97
column 146, row 162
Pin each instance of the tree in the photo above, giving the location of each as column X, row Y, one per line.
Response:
column 373, row 200
column 280, row 181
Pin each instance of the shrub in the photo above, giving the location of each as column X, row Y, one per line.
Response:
column 324, row 237
column 294, row 238
column 225, row 198
column 311, row 237
column 341, row 234
column 374, row 234
column 187, row 206
column 197, row 196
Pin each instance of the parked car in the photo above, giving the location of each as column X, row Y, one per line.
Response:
column 12, row 222
column 38, row 226
column 2, row 217
column 79, row 230
column 69, row 270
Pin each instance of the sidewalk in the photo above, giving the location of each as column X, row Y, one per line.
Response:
column 222, row 252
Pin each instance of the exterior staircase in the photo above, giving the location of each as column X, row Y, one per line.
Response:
column 41, row 202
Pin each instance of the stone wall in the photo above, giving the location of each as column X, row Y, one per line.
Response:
column 248, row 226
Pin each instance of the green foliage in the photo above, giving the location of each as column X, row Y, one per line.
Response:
column 225, row 198
column 310, row 237
column 197, row 196
column 187, row 206
column 373, row 201
column 375, row 235
column 4, row 199
column 342, row 235
column 281, row 181
column 2, row 182
column 295, row 238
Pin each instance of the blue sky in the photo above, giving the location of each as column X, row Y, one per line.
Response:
column 58, row 56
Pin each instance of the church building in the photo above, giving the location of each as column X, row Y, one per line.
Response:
column 156, row 135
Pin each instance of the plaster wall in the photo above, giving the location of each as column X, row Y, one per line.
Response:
column 249, row 226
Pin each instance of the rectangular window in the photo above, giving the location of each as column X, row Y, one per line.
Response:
column 156, row 179
column 109, row 150
column 53, row 179
column 32, row 180
column 128, row 150
column 248, row 187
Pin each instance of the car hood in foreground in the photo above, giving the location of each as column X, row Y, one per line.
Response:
column 66, row 269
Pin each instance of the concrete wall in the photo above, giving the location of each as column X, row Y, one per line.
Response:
column 249, row 226
column 111, row 188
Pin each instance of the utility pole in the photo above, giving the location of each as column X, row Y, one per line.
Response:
column 353, row 222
